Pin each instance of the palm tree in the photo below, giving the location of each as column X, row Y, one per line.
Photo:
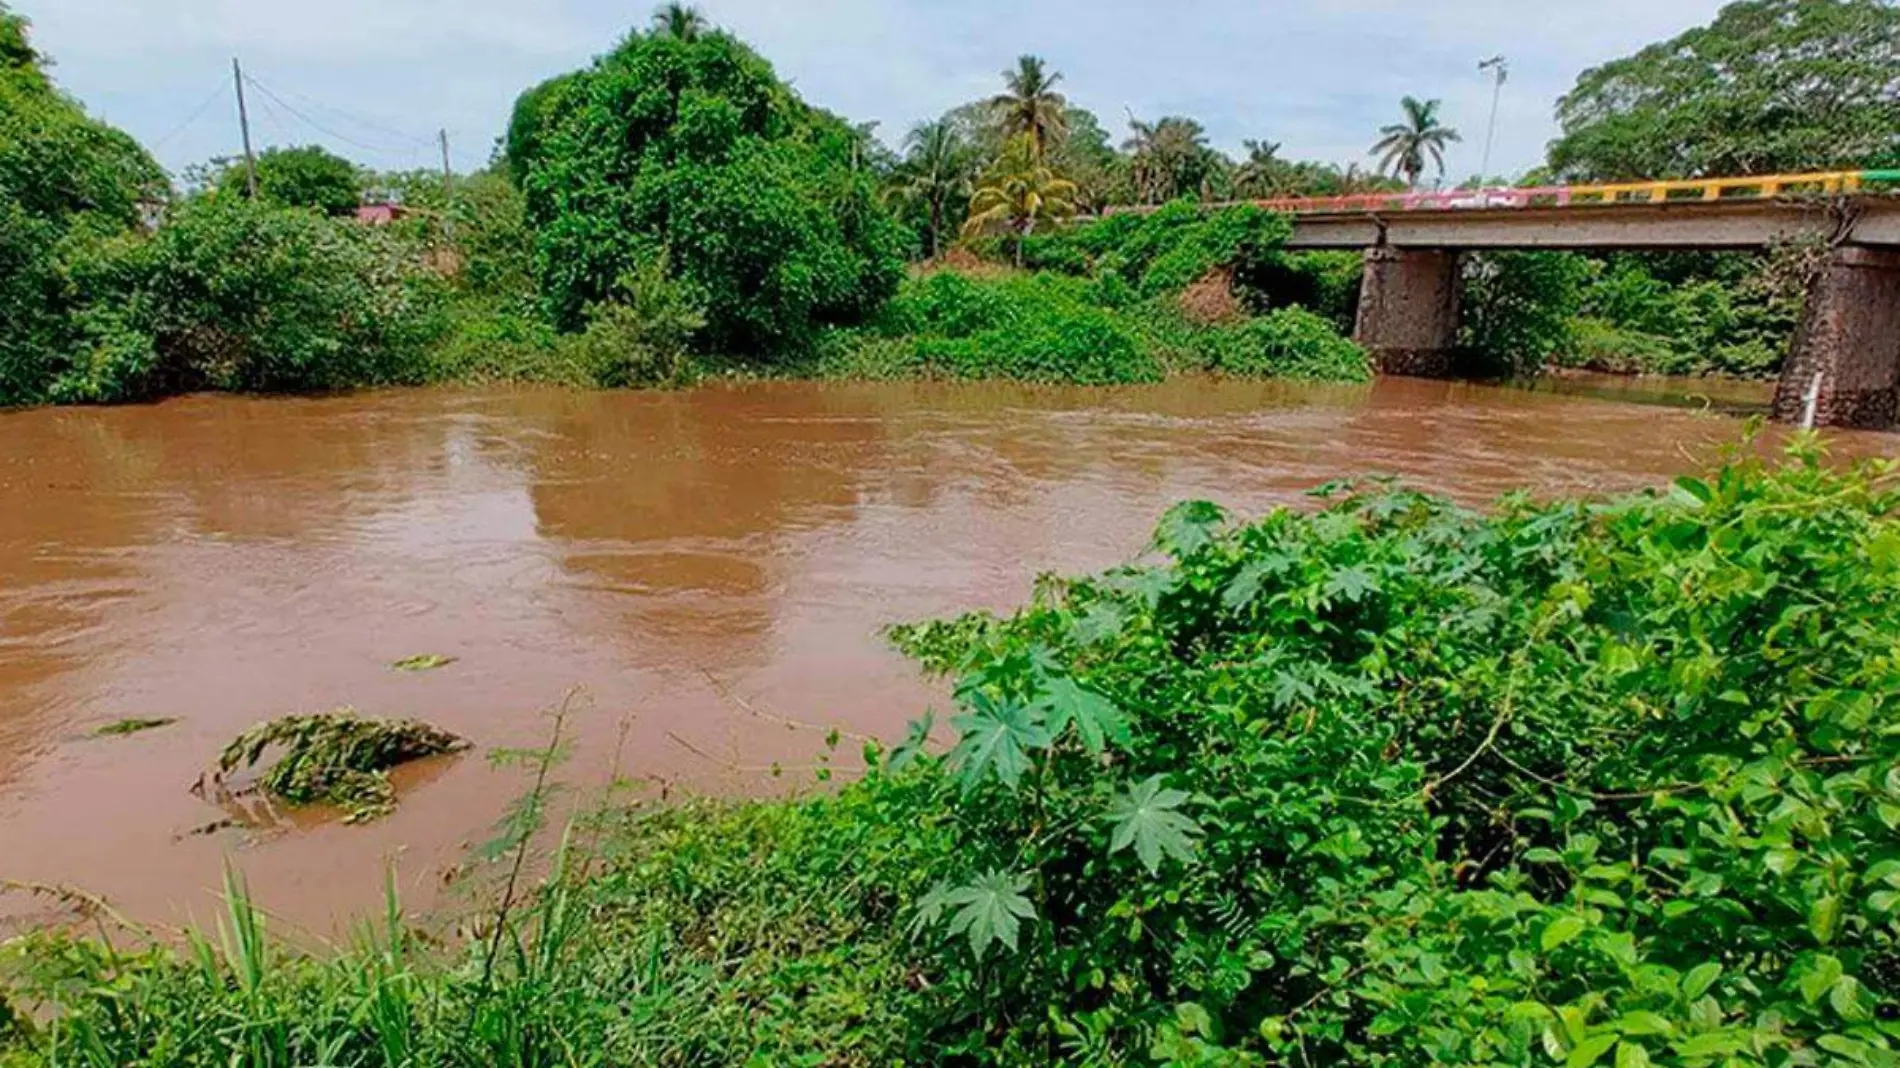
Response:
column 935, row 173
column 1018, row 192
column 1031, row 107
column 1404, row 146
column 682, row 22
column 1260, row 174
column 1170, row 156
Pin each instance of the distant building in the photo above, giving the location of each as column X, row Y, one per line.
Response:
column 379, row 214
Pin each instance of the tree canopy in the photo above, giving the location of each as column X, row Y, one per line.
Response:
column 67, row 182
column 695, row 152
column 1771, row 86
column 302, row 177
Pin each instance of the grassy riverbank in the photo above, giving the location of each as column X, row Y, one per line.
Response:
column 1386, row 782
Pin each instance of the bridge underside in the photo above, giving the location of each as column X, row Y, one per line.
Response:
column 1844, row 369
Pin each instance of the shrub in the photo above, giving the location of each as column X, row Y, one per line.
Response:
column 1400, row 784
column 1291, row 343
column 1036, row 328
column 239, row 295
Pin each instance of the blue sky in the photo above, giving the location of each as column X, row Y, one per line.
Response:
column 374, row 79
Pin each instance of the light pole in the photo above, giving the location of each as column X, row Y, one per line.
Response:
column 1501, row 69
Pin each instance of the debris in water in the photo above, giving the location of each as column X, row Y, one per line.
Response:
column 426, row 662
column 134, row 725
column 334, row 757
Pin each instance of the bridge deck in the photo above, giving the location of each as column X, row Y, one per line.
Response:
column 1682, row 224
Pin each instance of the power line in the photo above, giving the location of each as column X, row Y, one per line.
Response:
column 196, row 114
column 359, row 120
column 320, row 127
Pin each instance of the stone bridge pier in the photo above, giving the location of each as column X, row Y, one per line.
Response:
column 1408, row 310
column 1845, row 362
column 1846, row 357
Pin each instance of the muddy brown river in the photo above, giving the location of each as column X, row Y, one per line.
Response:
column 696, row 566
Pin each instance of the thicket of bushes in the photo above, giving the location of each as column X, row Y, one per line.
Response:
column 1683, row 314
column 1110, row 303
column 1390, row 782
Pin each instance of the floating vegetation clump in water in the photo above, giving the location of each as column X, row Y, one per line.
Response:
column 338, row 758
column 426, row 662
column 134, row 725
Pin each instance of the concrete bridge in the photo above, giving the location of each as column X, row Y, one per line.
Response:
column 1844, row 369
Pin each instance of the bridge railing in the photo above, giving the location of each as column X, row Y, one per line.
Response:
column 1759, row 187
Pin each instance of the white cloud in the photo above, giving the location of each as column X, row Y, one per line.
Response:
column 1318, row 76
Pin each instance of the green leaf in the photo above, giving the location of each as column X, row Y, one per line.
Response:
column 1589, row 1051
column 1253, row 576
column 425, row 662
column 1102, row 622
column 1700, row 978
column 1631, row 1055
column 1824, row 918
column 997, row 737
column 990, row 909
column 1351, row 584
column 1643, row 1022
column 1561, row 930
column 1846, row 999
column 930, row 908
column 1713, row 1044
column 1064, row 701
column 1147, row 818
column 1188, row 527
column 915, row 738
column 1696, row 489
column 1823, row 971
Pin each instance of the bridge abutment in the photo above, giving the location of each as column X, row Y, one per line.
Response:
column 1849, row 339
column 1408, row 310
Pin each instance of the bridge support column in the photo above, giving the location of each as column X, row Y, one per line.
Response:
column 1408, row 310
column 1849, row 340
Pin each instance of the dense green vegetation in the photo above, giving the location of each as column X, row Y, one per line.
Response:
column 1770, row 86
column 1384, row 782
column 691, row 153
column 675, row 209
column 1130, row 298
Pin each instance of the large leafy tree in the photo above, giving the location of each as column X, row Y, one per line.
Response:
column 304, row 177
column 1031, row 107
column 1018, row 193
column 1770, row 86
column 695, row 153
column 1407, row 147
column 934, row 178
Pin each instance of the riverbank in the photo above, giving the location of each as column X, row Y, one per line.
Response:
column 1392, row 780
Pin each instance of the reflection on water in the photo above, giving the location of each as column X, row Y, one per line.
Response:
column 678, row 555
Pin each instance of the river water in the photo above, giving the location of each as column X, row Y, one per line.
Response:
column 701, row 565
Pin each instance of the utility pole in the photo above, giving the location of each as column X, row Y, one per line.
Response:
column 244, row 125
column 1500, row 67
column 448, row 189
